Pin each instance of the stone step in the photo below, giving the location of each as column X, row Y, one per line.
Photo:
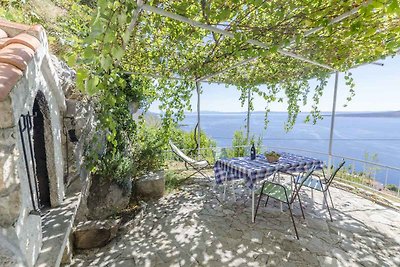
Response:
column 56, row 227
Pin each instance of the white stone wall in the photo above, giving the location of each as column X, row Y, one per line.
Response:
column 9, row 184
column 18, row 225
column 10, row 254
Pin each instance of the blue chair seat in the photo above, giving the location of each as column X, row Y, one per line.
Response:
column 311, row 182
column 322, row 185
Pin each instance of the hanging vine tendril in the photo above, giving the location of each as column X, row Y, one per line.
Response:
column 167, row 48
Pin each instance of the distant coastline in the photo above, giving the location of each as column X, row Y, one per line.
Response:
column 365, row 114
column 384, row 114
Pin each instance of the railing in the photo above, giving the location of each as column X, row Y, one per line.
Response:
column 371, row 176
column 362, row 173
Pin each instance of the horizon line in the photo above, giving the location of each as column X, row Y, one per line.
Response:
column 259, row 111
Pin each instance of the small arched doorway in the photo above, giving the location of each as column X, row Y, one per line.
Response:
column 40, row 117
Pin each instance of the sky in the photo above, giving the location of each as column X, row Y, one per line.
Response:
column 377, row 89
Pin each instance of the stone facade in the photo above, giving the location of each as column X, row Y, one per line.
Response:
column 20, row 220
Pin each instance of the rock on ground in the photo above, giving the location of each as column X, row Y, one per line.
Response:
column 151, row 186
column 94, row 234
column 106, row 198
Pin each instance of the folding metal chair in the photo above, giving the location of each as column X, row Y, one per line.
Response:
column 197, row 165
column 322, row 184
column 284, row 194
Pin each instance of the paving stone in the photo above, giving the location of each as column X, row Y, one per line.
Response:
column 228, row 212
column 348, row 245
column 191, row 228
column 230, row 242
column 396, row 259
column 317, row 224
column 290, row 245
column 254, row 236
column 235, row 234
column 318, row 246
column 262, row 259
column 369, row 260
column 274, row 261
column 340, row 255
column 124, row 262
column 286, row 263
column 328, row 261
column 306, row 258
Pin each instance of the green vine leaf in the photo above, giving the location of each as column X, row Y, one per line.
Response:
column 91, row 85
column 117, row 52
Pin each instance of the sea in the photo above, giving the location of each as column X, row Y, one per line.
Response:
column 358, row 136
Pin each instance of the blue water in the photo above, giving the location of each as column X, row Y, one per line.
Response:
column 353, row 136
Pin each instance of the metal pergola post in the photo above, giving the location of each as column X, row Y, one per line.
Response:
column 248, row 114
column 198, row 90
column 332, row 123
column 134, row 20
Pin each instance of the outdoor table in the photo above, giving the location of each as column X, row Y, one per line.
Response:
column 259, row 169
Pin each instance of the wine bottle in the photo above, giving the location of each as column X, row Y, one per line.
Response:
column 253, row 152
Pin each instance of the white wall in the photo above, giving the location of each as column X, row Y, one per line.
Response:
column 25, row 234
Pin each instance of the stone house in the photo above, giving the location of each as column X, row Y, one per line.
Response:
column 36, row 213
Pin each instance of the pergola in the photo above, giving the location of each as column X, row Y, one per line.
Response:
column 262, row 42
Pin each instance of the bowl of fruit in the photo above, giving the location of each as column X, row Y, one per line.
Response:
column 272, row 156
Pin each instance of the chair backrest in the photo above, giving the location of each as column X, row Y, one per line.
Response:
column 303, row 177
column 180, row 154
column 330, row 179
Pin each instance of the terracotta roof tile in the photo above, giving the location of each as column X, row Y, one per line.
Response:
column 9, row 76
column 13, row 28
column 3, row 34
column 38, row 29
column 3, row 42
column 25, row 39
column 17, row 55
column 18, row 43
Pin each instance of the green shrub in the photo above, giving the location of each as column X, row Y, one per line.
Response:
column 137, row 155
column 392, row 187
column 173, row 180
column 370, row 169
column 240, row 145
column 66, row 21
column 116, row 167
column 147, row 150
column 186, row 141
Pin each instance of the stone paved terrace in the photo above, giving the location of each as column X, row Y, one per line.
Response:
column 193, row 227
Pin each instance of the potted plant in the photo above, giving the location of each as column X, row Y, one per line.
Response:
column 272, row 156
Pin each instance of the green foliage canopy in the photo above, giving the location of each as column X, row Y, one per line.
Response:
column 125, row 38
column 120, row 37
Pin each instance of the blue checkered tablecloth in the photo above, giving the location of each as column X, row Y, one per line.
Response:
column 260, row 168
